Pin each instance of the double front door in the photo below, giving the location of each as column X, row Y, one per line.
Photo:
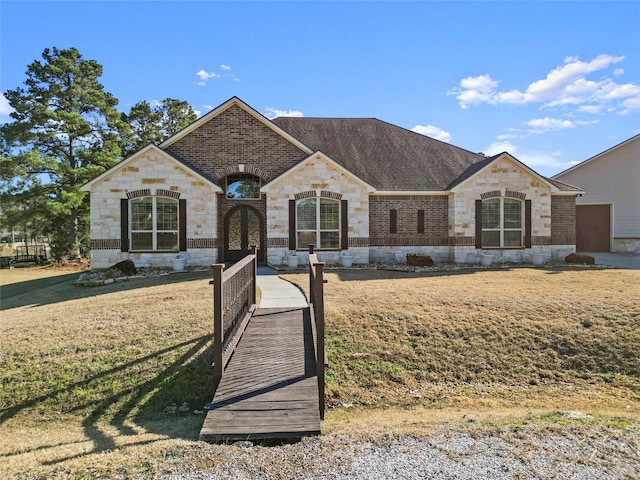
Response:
column 242, row 233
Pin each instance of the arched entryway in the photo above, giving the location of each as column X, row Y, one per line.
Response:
column 243, row 231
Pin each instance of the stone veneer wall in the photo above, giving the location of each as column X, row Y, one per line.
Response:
column 501, row 175
column 153, row 171
column 319, row 175
column 232, row 138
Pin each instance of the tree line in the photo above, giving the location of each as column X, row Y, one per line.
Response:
column 65, row 131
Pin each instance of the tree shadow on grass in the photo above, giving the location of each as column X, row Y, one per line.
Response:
column 188, row 377
column 47, row 291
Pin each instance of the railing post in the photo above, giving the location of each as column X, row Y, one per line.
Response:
column 311, row 289
column 255, row 273
column 218, row 331
column 318, row 309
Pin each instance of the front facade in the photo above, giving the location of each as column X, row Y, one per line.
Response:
column 608, row 214
column 362, row 187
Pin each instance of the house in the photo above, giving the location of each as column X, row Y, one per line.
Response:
column 608, row 214
column 234, row 179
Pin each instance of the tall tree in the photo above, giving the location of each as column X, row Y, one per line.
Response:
column 155, row 123
column 66, row 131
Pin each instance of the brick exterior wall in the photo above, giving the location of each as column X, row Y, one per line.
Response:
column 563, row 220
column 232, row 138
column 436, row 219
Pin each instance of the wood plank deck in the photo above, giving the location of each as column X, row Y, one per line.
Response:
column 269, row 389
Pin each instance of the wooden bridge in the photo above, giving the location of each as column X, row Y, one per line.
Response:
column 269, row 363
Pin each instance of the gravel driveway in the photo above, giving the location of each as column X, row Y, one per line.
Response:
column 516, row 453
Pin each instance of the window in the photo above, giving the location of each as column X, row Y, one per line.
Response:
column 154, row 224
column 243, row 186
column 318, row 222
column 501, row 222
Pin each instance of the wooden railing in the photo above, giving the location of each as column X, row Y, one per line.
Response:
column 316, row 299
column 234, row 300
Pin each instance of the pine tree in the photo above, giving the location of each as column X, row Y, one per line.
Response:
column 66, row 131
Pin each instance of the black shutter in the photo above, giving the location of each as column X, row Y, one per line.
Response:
column 527, row 223
column 344, row 225
column 182, row 225
column 124, row 225
column 478, row 223
column 420, row 221
column 292, row 225
column 393, row 221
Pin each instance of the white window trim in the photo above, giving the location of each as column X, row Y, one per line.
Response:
column 318, row 230
column 154, row 231
column 501, row 229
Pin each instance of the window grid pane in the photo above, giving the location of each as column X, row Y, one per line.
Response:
column 318, row 222
column 491, row 213
column 142, row 214
column 306, row 214
column 512, row 213
column 154, row 224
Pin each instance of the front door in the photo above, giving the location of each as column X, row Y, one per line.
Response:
column 242, row 233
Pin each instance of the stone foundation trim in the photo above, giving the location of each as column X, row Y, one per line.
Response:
column 358, row 242
column 145, row 192
column 462, row 241
column 277, row 242
column 562, row 240
column 105, row 244
column 193, row 243
column 407, row 240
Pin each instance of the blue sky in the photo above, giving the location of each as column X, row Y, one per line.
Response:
column 553, row 83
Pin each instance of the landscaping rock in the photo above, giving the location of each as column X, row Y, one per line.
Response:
column 577, row 258
column 416, row 260
column 125, row 266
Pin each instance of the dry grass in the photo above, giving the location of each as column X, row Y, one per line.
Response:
column 87, row 373
column 533, row 338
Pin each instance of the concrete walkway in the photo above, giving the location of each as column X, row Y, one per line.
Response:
column 278, row 293
column 617, row 260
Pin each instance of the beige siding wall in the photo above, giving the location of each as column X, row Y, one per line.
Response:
column 316, row 174
column 152, row 171
column 613, row 178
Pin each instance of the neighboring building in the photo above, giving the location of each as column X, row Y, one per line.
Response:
column 608, row 214
column 377, row 191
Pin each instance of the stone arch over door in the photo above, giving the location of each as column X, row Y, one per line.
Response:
column 243, row 229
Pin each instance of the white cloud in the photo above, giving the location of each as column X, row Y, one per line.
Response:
column 506, row 136
column 618, row 71
column 225, row 67
column 433, row 132
column 499, row 147
column 205, row 76
column 630, row 105
column 274, row 112
column 590, row 108
column 546, row 124
column 564, row 85
column 542, row 162
column 5, row 107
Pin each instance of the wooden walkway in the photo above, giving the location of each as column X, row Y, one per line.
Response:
column 269, row 389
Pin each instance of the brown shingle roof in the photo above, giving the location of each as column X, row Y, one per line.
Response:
column 385, row 156
column 388, row 157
